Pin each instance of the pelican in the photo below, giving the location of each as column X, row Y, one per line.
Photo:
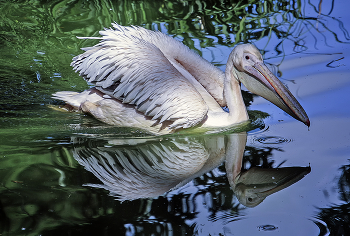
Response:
column 148, row 80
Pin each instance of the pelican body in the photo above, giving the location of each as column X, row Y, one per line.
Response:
column 148, row 80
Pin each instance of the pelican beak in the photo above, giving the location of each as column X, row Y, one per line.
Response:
column 260, row 80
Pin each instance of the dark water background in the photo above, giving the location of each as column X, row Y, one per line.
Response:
column 53, row 164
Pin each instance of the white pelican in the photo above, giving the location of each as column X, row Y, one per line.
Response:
column 148, row 80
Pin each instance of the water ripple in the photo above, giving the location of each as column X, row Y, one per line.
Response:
column 263, row 128
column 272, row 140
column 267, row 227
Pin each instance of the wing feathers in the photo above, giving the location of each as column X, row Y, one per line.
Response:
column 128, row 67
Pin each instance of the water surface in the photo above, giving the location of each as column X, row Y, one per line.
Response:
column 66, row 173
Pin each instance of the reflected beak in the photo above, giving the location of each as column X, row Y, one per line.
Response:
column 254, row 185
column 261, row 81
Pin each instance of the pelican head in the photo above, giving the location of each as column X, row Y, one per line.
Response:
column 250, row 69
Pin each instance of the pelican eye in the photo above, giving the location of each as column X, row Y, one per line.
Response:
column 247, row 57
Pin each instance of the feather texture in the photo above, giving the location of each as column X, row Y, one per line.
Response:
column 128, row 66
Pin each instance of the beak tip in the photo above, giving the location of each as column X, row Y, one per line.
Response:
column 307, row 122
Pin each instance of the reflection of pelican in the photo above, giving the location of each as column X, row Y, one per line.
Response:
column 148, row 80
column 151, row 168
column 254, row 185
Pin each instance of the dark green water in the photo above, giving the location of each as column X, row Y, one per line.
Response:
column 67, row 174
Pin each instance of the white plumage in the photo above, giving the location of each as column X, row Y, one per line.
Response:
column 156, row 83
